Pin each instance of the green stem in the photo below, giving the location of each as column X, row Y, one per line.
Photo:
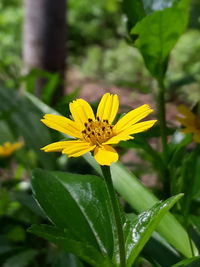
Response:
column 116, row 211
column 162, row 118
column 163, row 133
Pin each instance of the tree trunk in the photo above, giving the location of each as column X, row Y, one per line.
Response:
column 45, row 40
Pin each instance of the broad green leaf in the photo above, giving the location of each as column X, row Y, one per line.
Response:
column 139, row 197
column 157, row 36
column 136, row 10
column 66, row 241
column 141, row 228
column 193, row 262
column 79, row 203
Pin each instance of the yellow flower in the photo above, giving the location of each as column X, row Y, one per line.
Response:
column 8, row 148
column 96, row 132
column 191, row 122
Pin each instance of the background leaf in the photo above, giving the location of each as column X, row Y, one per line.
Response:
column 23, row 119
column 193, row 262
column 21, row 259
column 157, row 36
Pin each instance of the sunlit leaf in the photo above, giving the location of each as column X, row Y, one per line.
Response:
column 140, row 230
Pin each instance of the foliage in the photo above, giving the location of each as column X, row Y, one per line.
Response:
column 10, row 37
column 65, row 203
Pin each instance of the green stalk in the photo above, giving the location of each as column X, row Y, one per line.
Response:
column 115, row 206
column 162, row 119
column 163, row 133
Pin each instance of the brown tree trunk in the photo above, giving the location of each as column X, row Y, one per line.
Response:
column 45, row 40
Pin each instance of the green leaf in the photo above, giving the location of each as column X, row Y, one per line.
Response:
column 128, row 186
column 21, row 259
column 23, row 118
column 157, row 250
column 149, row 153
column 79, row 203
column 65, row 240
column 134, row 11
column 5, row 133
column 157, row 36
column 141, row 229
column 195, row 220
column 193, row 262
column 141, row 199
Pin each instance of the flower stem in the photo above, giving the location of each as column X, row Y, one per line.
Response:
column 163, row 133
column 116, row 211
column 162, row 118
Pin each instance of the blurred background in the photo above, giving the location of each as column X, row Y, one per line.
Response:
column 87, row 46
column 58, row 51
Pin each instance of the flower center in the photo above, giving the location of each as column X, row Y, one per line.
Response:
column 97, row 132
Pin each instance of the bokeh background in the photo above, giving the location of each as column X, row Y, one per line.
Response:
column 58, row 51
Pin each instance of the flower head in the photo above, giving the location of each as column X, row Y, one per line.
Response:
column 96, row 133
column 8, row 148
column 190, row 121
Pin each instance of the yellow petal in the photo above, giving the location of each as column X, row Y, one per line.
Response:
column 118, row 138
column 105, row 155
column 108, row 107
column 55, row 147
column 77, row 148
column 186, row 112
column 136, row 128
column 8, row 148
column 17, row 145
column 62, row 124
column 186, row 122
column 187, row 130
column 132, row 117
column 139, row 127
column 73, row 148
column 196, row 137
column 81, row 111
